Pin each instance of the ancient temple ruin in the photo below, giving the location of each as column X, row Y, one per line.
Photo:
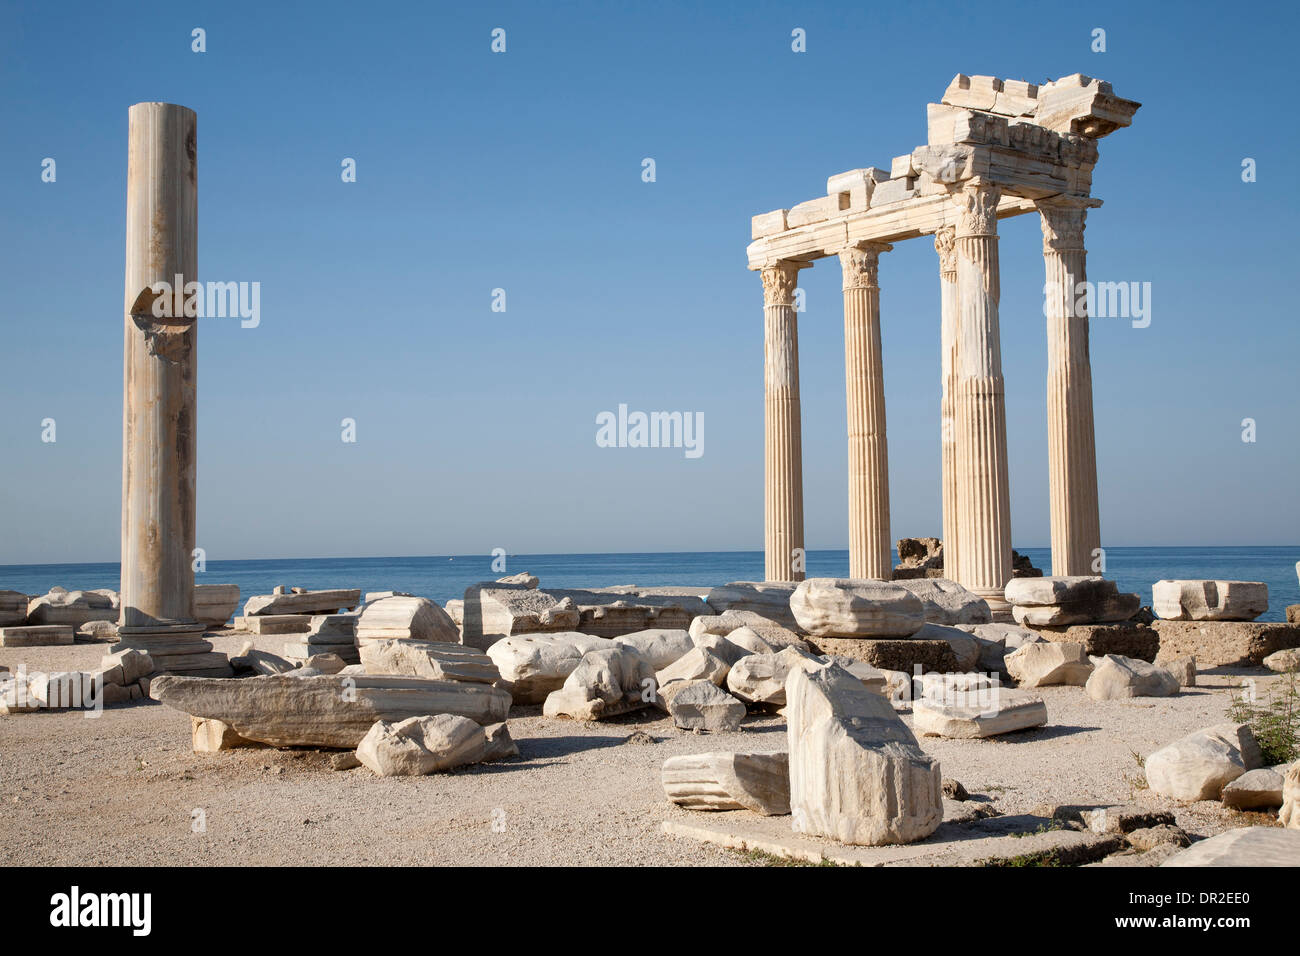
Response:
column 995, row 149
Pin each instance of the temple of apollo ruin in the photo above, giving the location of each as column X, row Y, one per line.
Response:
column 995, row 149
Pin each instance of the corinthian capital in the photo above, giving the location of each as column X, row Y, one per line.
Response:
column 1062, row 227
column 859, row 262
column 780, row 280
column 977, row 209
column 945, row 243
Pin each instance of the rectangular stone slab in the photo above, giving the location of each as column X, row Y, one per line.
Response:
column 1224, row 643
column 306, row 602
column 37, row 635
column 325, row 711
column 275, row 623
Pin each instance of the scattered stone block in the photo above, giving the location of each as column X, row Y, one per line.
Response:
column 434, row 660
column 211, row 736
column 270, row 624
column 500, row 745
column 857, row 774
column 13, row 608
column 214, row 604
column 1254, row 790
column 1224, row 643
column 1183, row 669
column 1200, row 765
column 1062, row 600
column 532, row 666
column 1118, row 678
column 300, row 601
column 1282, row 662
column 405, row 619
column 904, row 654
column 1209, row 600
column 729, row 781
column 659, row 646
column 701, row 705
column 493, row 610
column 769, row 600
column 133, row 662
column 978, row 713
column 947, row 602
column 97, row 632
column 728, row 651
column 1127, row 638
column 1243, row 847
column 328, row 710
column 421, row 745
column 325, row 663
column 260, row 662
column 1289, row 815
column 695, row 664
column 965, row 648
column 37, row 635
column 747, row 626
column 761, row 678
column 606, row 683
column 73, row 608
column 1152, row 838
column 1047, row 663
column 844, row 607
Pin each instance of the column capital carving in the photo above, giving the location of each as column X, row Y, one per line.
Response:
column 977, row 209
column 780, row 279
column 1063, row 226
column 945, row 243
column 859, row 263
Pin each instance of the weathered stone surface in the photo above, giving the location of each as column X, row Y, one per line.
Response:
column 407, row 619
column 872, row 678
column 1289, row 815
column 1283, row 661
column 1254, row 790
column 775, row 636
column 1204, row 600
column 493, row 611
column 534, row 665
column 432, row 659
column 1121, row 818
column 97, row 632
column 326, row 662
column 1152, row 838
column 1183, row 669
column 37, row 635
column 13, row 608
column 695, row 664
column 1117, row 678
column 947, row 602
column 904, row 654
column 1243, row 847
column 919, row 558
column 701, row 705
column 659, row 646
column 761, row 678
column 729, row 651
column 729, row 781
column 325, row 711
column 72, row 608
column 616, row 611
column 857, row 774
column 606, row 683
column 421, row 745
column 211, row 736
column 1224, row 643
column 1116, row 607
column 1127, row 638
column 133, row 663
column 965, row 648
column 1063, row 600
column 768, row 599
column 1045, row 663
column 978, row 713
column 843, row 607
column 300, row 601
column 271, row 624
column 500, row 744
column 1293, row 613
column 215, row 603
column 1200, row 765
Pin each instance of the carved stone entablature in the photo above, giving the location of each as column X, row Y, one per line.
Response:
column 859, row 264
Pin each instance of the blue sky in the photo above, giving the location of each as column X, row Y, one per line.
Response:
column 522, row 171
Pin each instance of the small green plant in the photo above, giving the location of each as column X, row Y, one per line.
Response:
column 763, row 858
column 1137, row 781
column 1275, row 721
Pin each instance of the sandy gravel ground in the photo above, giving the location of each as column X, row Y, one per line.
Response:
column 124, row 788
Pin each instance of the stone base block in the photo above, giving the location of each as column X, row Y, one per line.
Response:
column 178, row 649
column 1293, row 613
column 902, row 654
column 37, row 635
column 1224, row 643
column 1128, row 639
column 275, row 623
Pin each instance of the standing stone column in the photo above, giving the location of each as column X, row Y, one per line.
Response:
column 865, row 387
column 945, row 243
column 158, row 409
column 983, row 484
column 783, row 448
column 1072, row 456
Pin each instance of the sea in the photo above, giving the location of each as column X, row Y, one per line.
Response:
column 443, row 577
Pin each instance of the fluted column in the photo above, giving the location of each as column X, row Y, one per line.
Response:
column 983, row 484
column 945, row 243
column 865, row 389
column 783, row 449
column 1072, row 456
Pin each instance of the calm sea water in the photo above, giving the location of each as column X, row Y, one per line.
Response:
column 443, row 578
